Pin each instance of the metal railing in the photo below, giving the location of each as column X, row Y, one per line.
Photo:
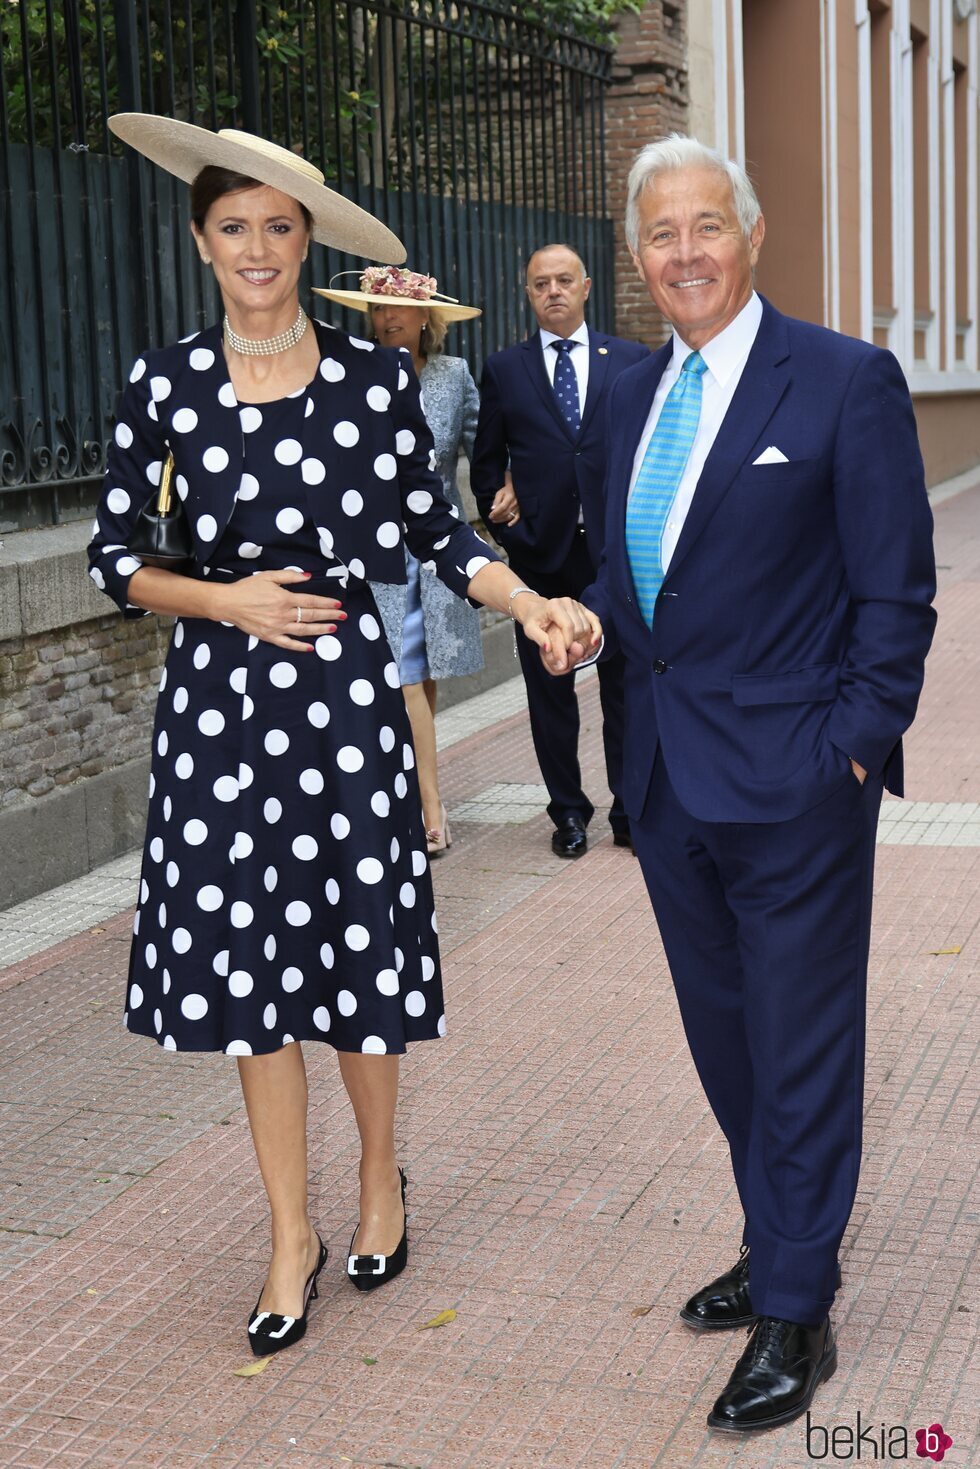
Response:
column 475, row 134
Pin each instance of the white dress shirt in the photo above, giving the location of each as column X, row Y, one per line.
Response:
column 725, row 356
column 579, row 356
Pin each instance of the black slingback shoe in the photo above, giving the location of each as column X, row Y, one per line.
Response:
column 367, row 1272
column 269, row 1332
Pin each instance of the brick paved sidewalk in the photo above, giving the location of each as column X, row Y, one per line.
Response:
column 564, row 1173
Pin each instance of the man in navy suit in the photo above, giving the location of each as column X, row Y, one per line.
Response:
column 542, row 414
column 768, row 575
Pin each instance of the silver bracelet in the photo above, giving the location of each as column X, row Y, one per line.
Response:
column 516, row 593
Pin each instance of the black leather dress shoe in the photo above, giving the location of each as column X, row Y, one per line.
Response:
column 570, row 839
column 623, row 839
column 724, row 1303
column 776, row 1376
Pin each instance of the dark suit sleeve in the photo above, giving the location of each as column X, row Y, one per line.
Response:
column 490, row 456
column 885, row 528
column 596, row 596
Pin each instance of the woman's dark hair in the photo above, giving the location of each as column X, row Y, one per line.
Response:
column 213, row 183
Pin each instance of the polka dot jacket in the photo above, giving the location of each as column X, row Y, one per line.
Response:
column 285, row 891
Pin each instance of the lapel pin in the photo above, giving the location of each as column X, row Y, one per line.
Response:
column 603, row 351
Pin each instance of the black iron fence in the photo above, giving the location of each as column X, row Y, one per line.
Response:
column 473, row 132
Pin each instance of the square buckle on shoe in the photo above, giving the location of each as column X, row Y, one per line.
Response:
column 366, row 1264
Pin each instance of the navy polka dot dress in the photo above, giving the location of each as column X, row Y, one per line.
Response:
column 285, row 891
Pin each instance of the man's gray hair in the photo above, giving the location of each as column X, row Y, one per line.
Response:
column 677, row 151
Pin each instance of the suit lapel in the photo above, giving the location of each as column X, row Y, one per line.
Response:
column 598, row 365
column 534, row 362
column 764, row 380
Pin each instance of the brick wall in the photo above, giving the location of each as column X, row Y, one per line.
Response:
column 648, row 97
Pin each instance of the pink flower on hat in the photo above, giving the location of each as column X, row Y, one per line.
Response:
column 390, row 280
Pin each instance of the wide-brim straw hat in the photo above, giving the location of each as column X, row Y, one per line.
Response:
column 183, row 149
column 447, row 306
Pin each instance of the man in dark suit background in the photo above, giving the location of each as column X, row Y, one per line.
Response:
column 768, row 574
column 542, row 415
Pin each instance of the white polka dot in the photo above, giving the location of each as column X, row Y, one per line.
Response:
column 331, row 891
column 346, row 1002
column 406, row 895
column 249, row 487
column 415, row 1003
column 326, row 955
column 441, row 1025
column 269, row 1016
column 404, row 441
column 356, row 567
column 202, row 656
column 226, row 788
column 386, row 466
column 241, row 914
column 238, row 1048
column 245, row 776
column 269, row 947
column 251, row 419
column 215, row 459
column 428, row 968
column 288, row 451
column 211, row 722
column 210, row 898
column 432, row 467
column 387, row 738
column 321, row 1018
column 292, row 979
column 181, row 940
column 387, row 982
column 380, row 804
column 195, row 832
column 419, row 501
column 311, row 781
column 182, row 486
column 240, row 983
column 318, row 714
column 160, row 388
column 226, row 396
column 180, row 704
column 475, row 564
column 220, row 963
column 441, row 545
column 249, row 550
column 173, row 874
column 298, row 914
column 193, row 1007
column 408, row 757
column 139, row 368
column 305, row 848
column 400, row 786
column 276, row 742
column 271, row 879
column 357, row 937
column 128, row 565
column 158, row 1021
column 98, row 578
column 391, row 676
column 283, row 675
column 201, row 359
column 272, row 810
column 370, row 870
column 123, row 435
column 156, row 849
column 373, row 1045
column 326, row 540
column 237, row 678
column 243, row 847
column 369, row 626
column 184, row 421
column 394, row 850
column 289, row 520
column 352, row 503
column 362, row 692
column 313, row 471
column 388, row 534
column 117, row 501
column 402, row 379
column 135, row 997
column 349, row 758
column 332, row 371
column 328, row 647
column 178, row 634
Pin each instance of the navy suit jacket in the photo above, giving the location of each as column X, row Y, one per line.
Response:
column 553, row 469
column 794, row 619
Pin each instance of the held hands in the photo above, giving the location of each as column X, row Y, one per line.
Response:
column 261, row 606
column 564, row 630
column 505, row 510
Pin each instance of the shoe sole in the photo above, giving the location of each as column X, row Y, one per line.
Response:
column 698, row 1324
column 569, row 856
column 823, row 1373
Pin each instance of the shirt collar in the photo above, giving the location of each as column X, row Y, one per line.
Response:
column 580, row 334
column 729, row 348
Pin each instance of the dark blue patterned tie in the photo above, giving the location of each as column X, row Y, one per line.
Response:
column 566, row 386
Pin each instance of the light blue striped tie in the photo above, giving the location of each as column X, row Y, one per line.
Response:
column 656, row 484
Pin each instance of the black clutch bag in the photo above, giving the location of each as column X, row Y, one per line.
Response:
column 162, row 534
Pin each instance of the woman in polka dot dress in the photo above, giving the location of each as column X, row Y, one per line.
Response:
column 285, row 892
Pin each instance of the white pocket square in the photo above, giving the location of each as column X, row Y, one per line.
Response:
column 772, row 455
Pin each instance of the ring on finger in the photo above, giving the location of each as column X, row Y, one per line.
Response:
column 299, row 613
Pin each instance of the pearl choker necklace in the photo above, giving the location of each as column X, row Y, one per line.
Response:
column 269, row 346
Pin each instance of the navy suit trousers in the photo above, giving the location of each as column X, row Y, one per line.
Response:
column 766, row 928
